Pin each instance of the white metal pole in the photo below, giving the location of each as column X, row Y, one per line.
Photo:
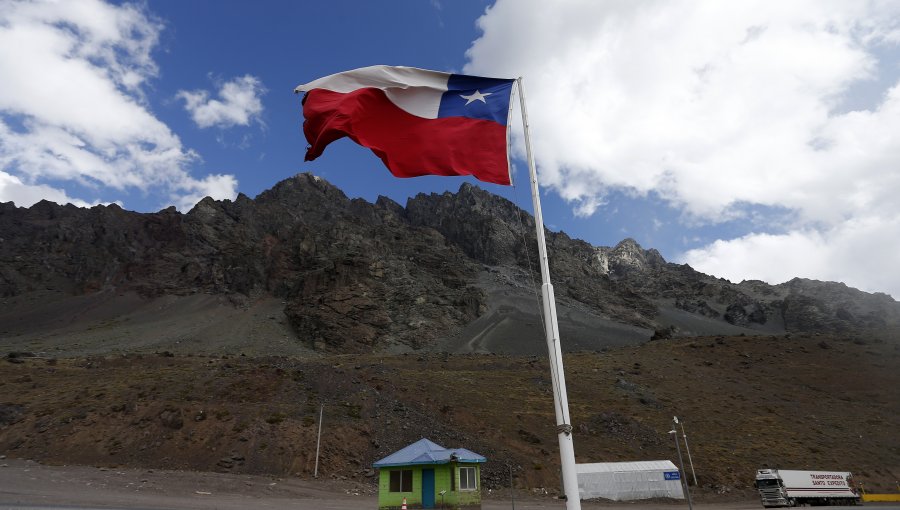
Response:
column 319, row 440
column 688, row 448
column 558, row 379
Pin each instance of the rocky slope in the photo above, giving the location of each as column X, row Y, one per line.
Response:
column 801, row 401
column 453, row 271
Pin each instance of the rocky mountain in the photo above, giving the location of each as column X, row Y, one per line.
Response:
column 452, row 272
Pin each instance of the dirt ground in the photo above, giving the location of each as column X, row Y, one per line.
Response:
column 27, row 483
column 799, row 402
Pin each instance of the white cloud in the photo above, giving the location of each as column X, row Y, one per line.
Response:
column 717, row 107
column 239, row 104
column 861, row 251
column 218, row 187
column 72, row 105
column 24, row 195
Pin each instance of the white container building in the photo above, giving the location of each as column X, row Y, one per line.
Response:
column 622, row 481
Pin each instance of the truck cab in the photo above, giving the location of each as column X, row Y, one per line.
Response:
column 771, row 489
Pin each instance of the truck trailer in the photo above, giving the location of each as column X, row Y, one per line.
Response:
column 787, row 488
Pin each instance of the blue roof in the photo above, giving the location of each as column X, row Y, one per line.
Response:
column 424, row 451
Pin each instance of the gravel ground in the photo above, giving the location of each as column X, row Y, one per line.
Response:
column 27, row 484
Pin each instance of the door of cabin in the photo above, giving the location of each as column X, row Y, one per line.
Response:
column 427, row 488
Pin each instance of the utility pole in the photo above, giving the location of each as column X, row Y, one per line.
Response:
column 684, row 484
column 512, row 489
column 319, row 440
column 688, row 448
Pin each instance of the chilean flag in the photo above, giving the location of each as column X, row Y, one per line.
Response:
column 418, row 122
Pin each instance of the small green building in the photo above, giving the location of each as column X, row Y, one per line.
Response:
column 430, row 476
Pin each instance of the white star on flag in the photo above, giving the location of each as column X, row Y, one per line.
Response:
column 476, row 96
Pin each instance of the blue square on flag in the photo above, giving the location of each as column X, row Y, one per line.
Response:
column 476, row 98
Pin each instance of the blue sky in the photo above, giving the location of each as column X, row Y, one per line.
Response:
column 751, row 140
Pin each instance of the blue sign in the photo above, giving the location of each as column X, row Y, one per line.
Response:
column 672, row 475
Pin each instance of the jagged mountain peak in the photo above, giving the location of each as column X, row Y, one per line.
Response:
column 356, row 276
column 301, row 188
column 627, row 257
column 206, row 205
column 480, row 201
column 628, row 244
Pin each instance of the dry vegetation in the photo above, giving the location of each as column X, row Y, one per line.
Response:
column 804, row 402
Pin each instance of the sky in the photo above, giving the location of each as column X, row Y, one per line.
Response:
column 749, row 139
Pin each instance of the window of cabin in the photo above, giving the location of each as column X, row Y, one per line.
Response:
column 467, row 479
column 401, row 480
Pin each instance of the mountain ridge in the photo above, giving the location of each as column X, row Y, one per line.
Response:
column 355, row 276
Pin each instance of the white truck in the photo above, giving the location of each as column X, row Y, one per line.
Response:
column 782, row 487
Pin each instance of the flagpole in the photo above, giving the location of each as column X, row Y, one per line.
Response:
column 551, row 327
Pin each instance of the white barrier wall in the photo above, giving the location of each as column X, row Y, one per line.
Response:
column 621, row 481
